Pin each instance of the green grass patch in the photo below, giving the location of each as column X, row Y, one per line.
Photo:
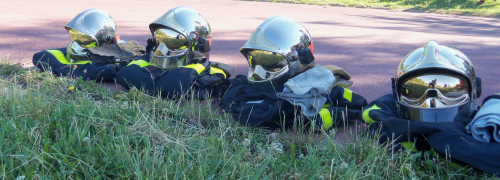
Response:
column 469, row 7
column 61, row 128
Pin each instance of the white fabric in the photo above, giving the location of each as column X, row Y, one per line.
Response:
column 485, row 126
column 309, row 90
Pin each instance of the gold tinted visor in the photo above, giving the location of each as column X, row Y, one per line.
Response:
column 83, row 40
column 169, row 40
column 266, row 65
column 435, row 91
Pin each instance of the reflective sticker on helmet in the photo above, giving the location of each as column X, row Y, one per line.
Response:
column 366, row 114
column 348, row 94
column 250, row 61
column 326, row 118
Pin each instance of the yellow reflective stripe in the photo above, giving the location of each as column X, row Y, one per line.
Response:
column 250, row 61
column 326, row 117
column 366, row 115
column 348, row 94
column 183, row 47
column 62, row 59
column 198, row 67
column 141, row 63
column 217, row 70
column 409, row 145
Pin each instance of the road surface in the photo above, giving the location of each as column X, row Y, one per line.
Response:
column 368, row 43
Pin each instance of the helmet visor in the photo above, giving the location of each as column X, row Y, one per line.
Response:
column 167, row 62
column 435, row 91
column 83, row 40
column 171, row 40
column 266, row 65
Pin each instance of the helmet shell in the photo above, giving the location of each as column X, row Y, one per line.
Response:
column 96, row 23
column 279, row 34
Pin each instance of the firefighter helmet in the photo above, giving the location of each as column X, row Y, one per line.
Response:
column 89, row 29
column 434, row 83
column 273, row 50
column 180, row 37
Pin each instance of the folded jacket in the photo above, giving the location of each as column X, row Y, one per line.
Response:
column 485, row 126
column 309, row 90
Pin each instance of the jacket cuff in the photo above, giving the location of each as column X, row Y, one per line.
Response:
column 494, row 96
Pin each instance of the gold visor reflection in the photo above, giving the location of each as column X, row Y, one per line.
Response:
column 173, row 40
column 84, row 40
column 269, row 61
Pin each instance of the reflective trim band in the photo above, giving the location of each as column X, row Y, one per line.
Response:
column 250, row 61
column 366, row 115
column 198, row 67
column 324, row 113
column 409, row 145
column 62, row 59
column 348, row 94
column 141, row 63
column 217, row 70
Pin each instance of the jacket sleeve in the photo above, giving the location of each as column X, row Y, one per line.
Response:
column 51, row 59
column 343, row 104
column 140, row 74
column 381, row 109
column 446, row 139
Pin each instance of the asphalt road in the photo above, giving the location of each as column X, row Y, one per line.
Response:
column 368, row 43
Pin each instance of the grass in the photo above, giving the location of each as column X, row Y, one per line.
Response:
column 60, row 128
column 468, row 7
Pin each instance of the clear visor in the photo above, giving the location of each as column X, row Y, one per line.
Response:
column 169, row 43
column 435, row 91
column 265, row 65
column 168, row 63
column 76, row 52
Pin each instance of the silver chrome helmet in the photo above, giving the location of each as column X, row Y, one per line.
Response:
column 271, row 52
column 89, row 29
column 435, row 83
column 181, row 37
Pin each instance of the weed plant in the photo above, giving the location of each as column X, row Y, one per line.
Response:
column 61, row 128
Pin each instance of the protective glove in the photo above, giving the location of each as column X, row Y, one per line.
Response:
column 341, row 82
column 338, row 71
column 341, row 76
column 151, row 44
column 305, row 55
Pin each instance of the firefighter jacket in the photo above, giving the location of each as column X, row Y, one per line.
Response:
column 59, row 62
column 194, row 79
column 252, row 108
column 446, row 139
